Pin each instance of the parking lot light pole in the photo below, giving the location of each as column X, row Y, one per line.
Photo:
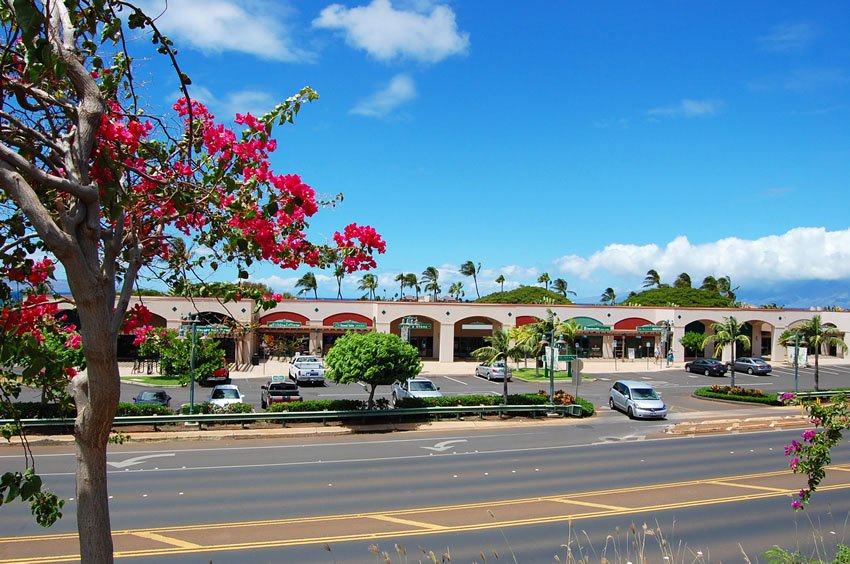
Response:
column 615, row 355
column 797, row 357
column 552, row 365
column 192, row 320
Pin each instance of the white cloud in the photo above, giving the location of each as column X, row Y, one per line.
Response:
column 426, row 33
column 787, row 37
column 689, row 109
column 256, row 102
column 803, row 253
column 400, row 89
column 254, row 27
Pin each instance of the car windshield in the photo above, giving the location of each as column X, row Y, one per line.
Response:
column 422, row 386
column 225, row 394
column 306, row 359
column 282, row 386
column 152, row 396
column 311, row 365
column 498, row 365
column 644, row 394
column 712, row 362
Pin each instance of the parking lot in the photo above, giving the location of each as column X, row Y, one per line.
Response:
column 455, row 379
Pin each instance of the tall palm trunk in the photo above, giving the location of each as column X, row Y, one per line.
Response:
column 732, row 366
column 817, row 375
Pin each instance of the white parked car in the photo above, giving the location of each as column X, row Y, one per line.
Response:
column 415, row 388
column 225, row 395
column 307, row 369
column 637, row 399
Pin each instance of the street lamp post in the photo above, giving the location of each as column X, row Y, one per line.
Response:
column 648, row 344
column 192, row 320
column 797, row 344
column 615, row 355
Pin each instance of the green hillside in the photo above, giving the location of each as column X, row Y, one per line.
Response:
column 525, row 295
column 684, row 297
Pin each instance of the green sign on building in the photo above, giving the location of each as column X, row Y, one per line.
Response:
column 349, row 325
column 284, row 323
column 649, row 328
column 598, row 328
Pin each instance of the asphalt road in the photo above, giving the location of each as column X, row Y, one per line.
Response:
column 513, row 490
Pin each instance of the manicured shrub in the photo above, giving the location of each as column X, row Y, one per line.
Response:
column 35, row 410
column 317, row 405
column 132, row 410
column 738, row 394
column 206, row 407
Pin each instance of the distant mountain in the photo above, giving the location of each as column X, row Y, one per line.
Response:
column 799, row 294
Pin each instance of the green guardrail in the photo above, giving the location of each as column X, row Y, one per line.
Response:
column 572, row 410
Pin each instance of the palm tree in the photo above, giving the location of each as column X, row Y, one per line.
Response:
column 562, row 287
column 544, row 279
column 431, row 276
column 724, row 287
column 683, row 281
column 412, row 281
column 729, row 332
column 501, row 280
column 500, row 347
column 339, row 273
column 652, row 279
column 456, row 290
column 819, row 335
column 568, row 330
column 710, row 283
column 608, row 296
column 468, row 269
column 369, row 282
column 400, row 278
column 307, row 283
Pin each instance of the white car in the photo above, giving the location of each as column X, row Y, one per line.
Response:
column 637, row 400
column 225, row 395
column 415, row 388
column 307, row 370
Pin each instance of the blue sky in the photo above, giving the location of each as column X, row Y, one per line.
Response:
column 589, row 140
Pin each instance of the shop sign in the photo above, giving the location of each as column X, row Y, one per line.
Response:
column 350, row 325
column 207, row 329
column 414, row 323
column 599, row 328
column 284, row 323
column 567, row 357
column 650, row 328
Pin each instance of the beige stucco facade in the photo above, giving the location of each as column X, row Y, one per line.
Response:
column 444, row 327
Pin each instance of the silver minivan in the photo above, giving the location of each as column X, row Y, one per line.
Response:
column 637, row 400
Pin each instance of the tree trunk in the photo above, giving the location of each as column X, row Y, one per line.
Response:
column 96, row 393
column 732, row 366
column 371, row 403
column 505, row 384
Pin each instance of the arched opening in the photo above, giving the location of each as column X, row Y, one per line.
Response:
column 421, row 332
column 282, row 334
column 470, row 335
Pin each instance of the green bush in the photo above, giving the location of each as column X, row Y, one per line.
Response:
column 132, row 410
column 317, row 405
column 587, row 408
column 206, row 407
column 738, row 394
column 35, row 410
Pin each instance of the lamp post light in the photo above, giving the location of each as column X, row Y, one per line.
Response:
column 615, row 355
column 192, row 320
column 797, row 344
column 648, row 345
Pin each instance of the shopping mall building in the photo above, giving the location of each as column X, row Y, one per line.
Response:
column 449, row 331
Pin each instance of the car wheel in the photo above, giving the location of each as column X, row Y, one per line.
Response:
column 393, row 400
column 630, row 413
column 263, row 404
column 611, row 403
column 750, row 371
column 707, row 373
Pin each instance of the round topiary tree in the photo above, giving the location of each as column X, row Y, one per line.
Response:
column 374, row 359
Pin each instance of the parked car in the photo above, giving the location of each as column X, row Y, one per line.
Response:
column 415, row 388
column 153, row 397
column 707, row 366
column 637, row 399
column 278, row 390
column 494, row 371
column 751, row 365
column 307, row 370
column 225, row 395
column 219, row 376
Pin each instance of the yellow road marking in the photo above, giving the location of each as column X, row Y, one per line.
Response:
column 419, row 524
column 749, row 486
column 589, row 504
column 422, row 528
column 167, row 540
